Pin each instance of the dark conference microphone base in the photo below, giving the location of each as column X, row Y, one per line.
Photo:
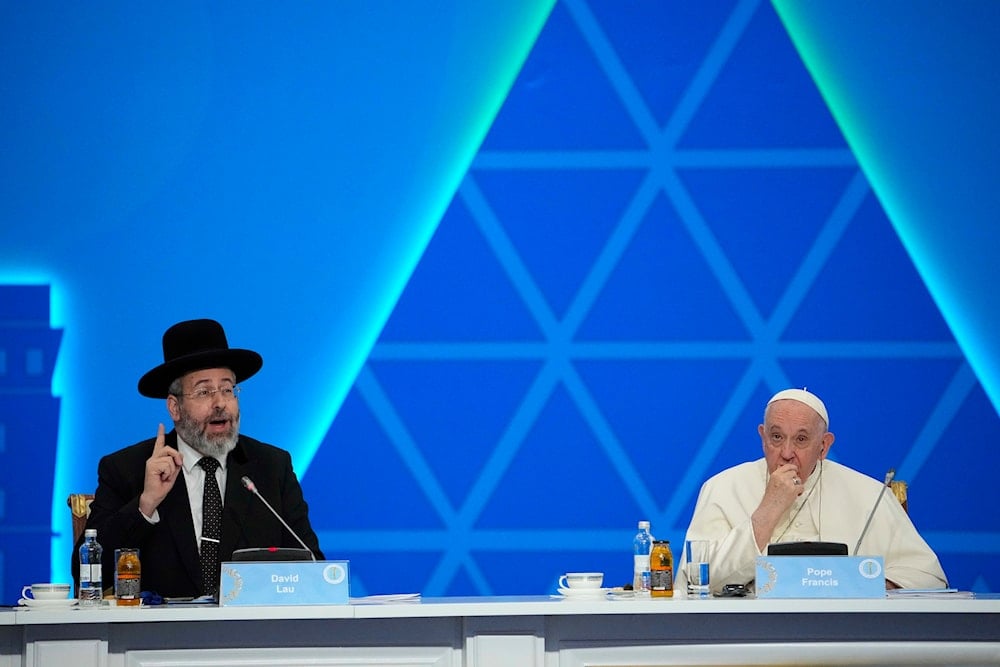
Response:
column 807, row 549
column 271, row 554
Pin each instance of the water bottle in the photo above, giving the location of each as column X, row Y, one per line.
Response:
column 91, row 584
column 642, row 545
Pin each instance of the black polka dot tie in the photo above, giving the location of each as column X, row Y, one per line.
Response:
column 211, row 528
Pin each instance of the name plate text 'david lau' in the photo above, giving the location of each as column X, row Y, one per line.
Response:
column 284, row 583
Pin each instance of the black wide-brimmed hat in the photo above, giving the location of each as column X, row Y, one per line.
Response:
column 192, row 346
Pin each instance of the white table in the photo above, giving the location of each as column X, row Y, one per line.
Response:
column 515, row 631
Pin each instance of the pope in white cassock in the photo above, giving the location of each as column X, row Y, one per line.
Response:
column 795, row 494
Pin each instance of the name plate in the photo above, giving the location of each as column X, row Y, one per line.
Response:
column 284, row 583
column 820, row 577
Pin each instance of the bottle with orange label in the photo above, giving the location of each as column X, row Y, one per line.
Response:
column 661, row 570
column 128, row 573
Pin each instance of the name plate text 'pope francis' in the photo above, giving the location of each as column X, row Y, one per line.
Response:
column 820, row 577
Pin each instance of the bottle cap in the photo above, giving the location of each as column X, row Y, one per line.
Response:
column 90, row 532
column 644, row 524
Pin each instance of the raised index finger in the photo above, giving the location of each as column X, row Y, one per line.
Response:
column 160, row 448
column 159, row 445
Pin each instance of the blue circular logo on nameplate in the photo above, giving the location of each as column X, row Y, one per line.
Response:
column 334, row 573
column 870, row 568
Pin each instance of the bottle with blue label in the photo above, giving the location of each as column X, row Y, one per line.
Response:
column 91, row 580
column 642, row 545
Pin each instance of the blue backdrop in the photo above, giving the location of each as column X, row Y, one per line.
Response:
column 522, row 273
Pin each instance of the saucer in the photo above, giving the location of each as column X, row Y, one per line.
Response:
column 47, row 604
column 588, row 593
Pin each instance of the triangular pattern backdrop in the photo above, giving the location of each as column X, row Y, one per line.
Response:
column 663, row 227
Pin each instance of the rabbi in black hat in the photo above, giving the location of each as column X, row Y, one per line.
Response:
column 179, row 497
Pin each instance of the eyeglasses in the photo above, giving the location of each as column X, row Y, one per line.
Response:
column 205, row 394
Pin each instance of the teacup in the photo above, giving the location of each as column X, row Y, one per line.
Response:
column 581, row 580
column 46, row 592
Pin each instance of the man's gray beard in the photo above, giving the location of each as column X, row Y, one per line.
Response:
column 191, row 432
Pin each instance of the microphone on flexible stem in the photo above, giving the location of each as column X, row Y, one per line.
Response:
column 864, row 531
column 252, row 488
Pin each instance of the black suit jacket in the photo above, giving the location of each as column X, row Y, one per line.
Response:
column 167, row 550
